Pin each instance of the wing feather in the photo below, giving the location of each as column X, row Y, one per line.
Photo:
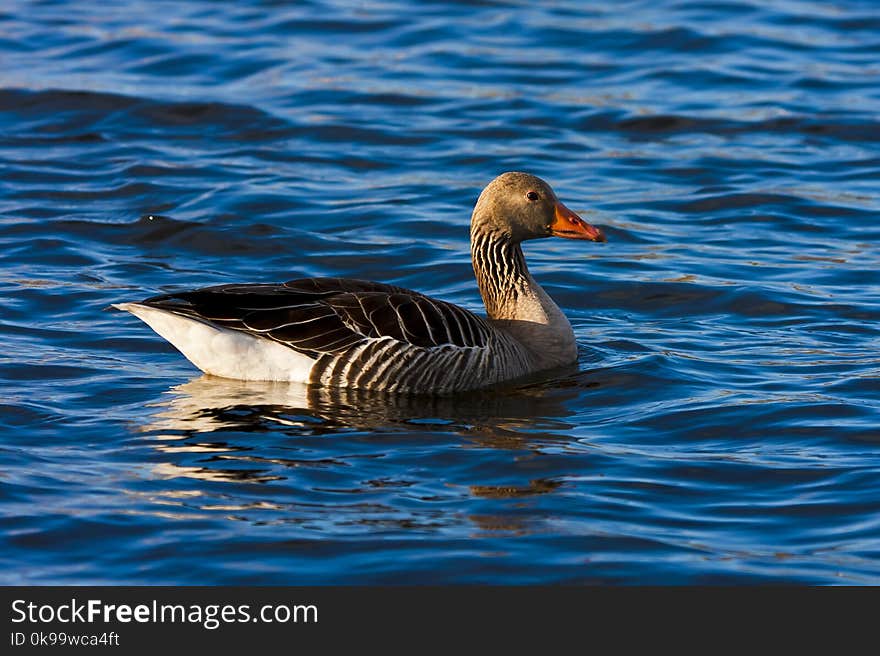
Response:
column 325, row 316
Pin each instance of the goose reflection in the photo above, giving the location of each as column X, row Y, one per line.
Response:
column 208, row 404
column 341, row 451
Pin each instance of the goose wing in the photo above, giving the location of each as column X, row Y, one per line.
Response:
column 325, row 316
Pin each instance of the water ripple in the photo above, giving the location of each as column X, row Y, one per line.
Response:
column 720, row 427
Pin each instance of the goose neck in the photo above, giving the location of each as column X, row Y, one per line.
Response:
column 516, row 304
column 501, row 272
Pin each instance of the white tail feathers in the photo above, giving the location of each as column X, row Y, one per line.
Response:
column 223, row 352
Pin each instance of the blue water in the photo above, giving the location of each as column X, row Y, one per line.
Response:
column 722, row 424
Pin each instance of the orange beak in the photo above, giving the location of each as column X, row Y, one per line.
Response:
column 569, row 225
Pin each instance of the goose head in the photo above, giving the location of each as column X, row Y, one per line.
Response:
column 520, row 206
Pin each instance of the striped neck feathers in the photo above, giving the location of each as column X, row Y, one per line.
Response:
column 508, row 289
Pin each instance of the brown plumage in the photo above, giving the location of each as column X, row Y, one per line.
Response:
column 360, row 334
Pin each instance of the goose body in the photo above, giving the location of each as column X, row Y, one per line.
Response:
column 368, row 335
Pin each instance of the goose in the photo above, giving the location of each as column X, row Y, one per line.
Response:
column 341, row 332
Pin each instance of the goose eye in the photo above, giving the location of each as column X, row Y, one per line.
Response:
column 532, row 195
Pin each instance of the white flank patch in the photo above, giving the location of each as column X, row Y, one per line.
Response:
column 223, row 352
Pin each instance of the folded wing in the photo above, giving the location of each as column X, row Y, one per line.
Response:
column 328, row 316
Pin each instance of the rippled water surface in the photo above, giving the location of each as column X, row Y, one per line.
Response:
column 722, row 423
